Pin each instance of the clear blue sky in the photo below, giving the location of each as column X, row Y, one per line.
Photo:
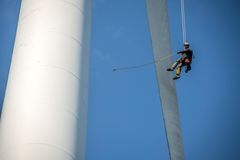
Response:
column 125, row 121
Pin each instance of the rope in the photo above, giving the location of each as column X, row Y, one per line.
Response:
column 143, row 65
column 184, row 30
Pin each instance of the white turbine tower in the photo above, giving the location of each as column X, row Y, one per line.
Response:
column 45, row 108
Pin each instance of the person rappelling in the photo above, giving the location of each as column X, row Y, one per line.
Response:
column 184, row 60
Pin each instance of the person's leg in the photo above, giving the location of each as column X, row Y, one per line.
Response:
column 188, row 68
column 188, row 65
column 178, row 71
column 174, row 65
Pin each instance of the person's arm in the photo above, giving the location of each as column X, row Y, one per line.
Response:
column 184, row 51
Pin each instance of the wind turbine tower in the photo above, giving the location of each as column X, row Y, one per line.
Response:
column 45, row 108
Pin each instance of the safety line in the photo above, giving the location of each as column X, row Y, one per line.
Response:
column 143, row 65
column 184, row 30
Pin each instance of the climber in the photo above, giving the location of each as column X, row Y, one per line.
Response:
column 185, row 60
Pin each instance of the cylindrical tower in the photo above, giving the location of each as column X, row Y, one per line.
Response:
column 45, row 108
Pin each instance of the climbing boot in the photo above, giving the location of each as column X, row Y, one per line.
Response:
column 188, row 68
column 169, row 69
column 176, row 77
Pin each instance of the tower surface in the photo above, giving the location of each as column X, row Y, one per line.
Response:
column 44, row 114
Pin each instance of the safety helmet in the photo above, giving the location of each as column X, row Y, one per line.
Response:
column 186, row 44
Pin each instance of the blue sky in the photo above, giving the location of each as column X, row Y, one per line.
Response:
column 125, row 121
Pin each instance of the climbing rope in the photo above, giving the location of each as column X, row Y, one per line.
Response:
column 143, row 65
column 184, row 30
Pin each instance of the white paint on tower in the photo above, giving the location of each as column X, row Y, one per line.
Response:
column 45, row 108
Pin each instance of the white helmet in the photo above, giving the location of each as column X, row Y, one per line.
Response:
column 186, row 44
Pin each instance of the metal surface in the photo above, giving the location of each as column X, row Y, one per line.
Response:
column 159, row 29
column 45, row 108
